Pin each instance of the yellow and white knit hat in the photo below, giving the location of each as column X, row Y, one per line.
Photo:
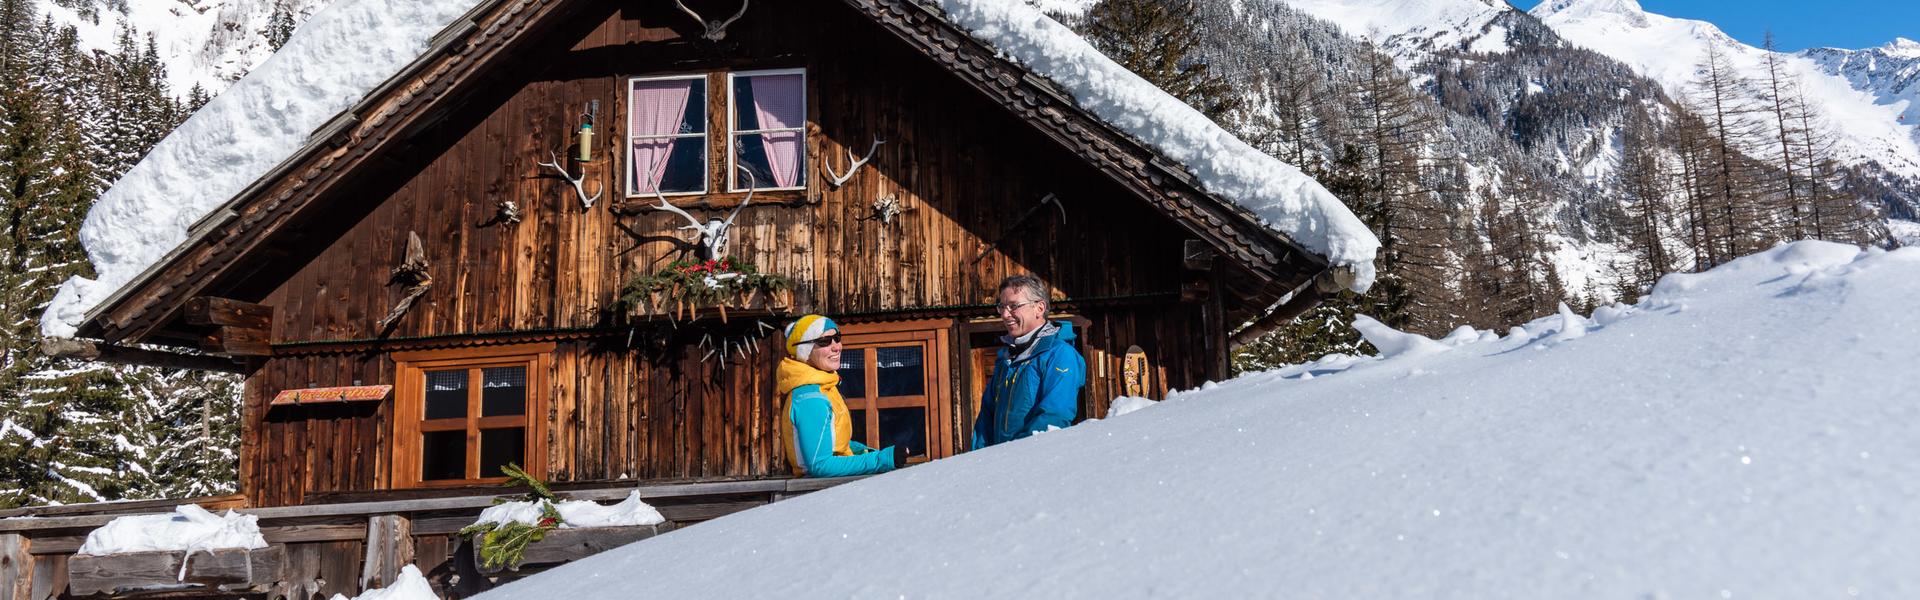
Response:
column 806, row 328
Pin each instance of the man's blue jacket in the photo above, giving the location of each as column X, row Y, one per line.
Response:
column 1029, row 392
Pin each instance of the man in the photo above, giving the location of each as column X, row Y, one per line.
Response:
column 1037, row 376
column 814, row 423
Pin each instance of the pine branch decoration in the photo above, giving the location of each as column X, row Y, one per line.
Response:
column 504, row 545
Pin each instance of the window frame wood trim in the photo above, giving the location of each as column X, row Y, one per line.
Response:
column 410, row 370
column 733, row 133
column 626, row 134
column 935, row 336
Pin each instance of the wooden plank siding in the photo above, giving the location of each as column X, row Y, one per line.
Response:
column 631, row 398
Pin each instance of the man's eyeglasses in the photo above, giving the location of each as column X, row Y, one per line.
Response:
column 1008, row 308
column 825, row 340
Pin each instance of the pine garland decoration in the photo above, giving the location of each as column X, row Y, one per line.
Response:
column 504, row 545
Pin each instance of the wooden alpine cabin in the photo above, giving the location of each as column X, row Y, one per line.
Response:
column 454, row 274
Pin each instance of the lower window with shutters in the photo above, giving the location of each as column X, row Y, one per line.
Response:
column 462, row 414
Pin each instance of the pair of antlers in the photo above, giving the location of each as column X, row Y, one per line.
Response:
column 716, row 30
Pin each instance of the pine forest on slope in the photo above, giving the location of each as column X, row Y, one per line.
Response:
column 1506, row 168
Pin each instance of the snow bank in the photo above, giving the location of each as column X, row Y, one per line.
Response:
column 1127, row 404
column 188, row 528
column 1745, row 432
column 330, row 62
column 410, row 586
column 576, row 513
column 1284, row 198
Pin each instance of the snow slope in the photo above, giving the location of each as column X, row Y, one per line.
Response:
column 1745, row 432
column 1410, row 30
column 210, row 43
column 1668, row 50
column 354, row 45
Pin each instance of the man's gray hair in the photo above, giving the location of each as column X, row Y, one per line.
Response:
column 1035, row 288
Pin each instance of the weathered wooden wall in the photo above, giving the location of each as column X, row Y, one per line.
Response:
column 962, row 168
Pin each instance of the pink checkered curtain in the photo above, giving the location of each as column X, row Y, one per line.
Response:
column 778, row 100
column 659, row 107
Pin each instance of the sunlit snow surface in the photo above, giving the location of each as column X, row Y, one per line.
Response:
column 1747, row 432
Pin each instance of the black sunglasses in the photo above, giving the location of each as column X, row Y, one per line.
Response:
column 825, row 340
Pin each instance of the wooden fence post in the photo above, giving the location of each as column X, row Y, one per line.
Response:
column 16, row 567
column 389, row 547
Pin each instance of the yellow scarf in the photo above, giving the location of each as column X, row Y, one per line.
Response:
column 794, row 374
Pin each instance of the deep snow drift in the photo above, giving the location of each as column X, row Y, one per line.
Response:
column 1746, row 432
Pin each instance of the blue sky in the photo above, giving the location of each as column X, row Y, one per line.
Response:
column 1797, row 24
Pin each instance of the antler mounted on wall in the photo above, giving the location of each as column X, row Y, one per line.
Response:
column 578, row 188
column 713, row 236
column 835, row 180
column 716, row 30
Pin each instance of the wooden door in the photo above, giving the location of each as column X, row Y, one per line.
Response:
column 895, row 378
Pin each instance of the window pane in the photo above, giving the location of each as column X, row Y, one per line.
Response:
column 859, row 417
column 904, row 427
column 443, row 455
column 773, row 160
column 853, row 374
column 446, row 394
column 503, row 391
column 498, row 447
column 769, row 101
column 684, row 169
column 900, row 371
column 668, row 106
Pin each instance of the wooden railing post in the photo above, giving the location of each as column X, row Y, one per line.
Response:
column 16, row 567
column 389, row 548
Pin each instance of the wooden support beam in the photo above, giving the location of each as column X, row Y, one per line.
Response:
column 88, row 350
column 16, row 567
column 237, row 341
column 1325, row 284
column 389, row 547
column 1198, row 255
column 209, row 310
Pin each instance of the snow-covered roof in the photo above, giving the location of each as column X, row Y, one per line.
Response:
column 1744, row 432
column 266, row 117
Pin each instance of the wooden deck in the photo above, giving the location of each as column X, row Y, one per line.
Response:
column 343, row 547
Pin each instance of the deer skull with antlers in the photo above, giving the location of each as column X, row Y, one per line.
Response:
column 716, row 29
column 713, row 234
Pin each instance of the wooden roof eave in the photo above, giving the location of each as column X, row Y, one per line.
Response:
column 153, row 299
column 1233, row 230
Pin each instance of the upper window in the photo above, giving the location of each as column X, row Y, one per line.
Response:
column 767, row 132
column 667, row 126
column 758, row 126
column 461, row 415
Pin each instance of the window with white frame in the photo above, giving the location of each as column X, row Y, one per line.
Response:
column 667, row 133
column 767, row 131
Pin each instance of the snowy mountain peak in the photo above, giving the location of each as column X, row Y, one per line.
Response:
column 1902, row 47
column 1628, row 10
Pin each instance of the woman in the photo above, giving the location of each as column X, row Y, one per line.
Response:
column 814, row 422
